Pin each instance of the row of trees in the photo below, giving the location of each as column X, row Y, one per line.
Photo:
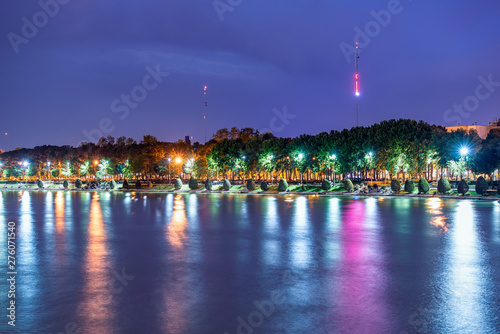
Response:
column 390, row 149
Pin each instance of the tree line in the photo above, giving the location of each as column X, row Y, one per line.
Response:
column 386, row 150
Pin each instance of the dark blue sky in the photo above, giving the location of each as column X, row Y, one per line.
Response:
column 263, row 56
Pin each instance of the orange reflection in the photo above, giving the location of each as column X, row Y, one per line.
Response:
column 59, row 212
column 176, row 231
column 59, row 222
column 97, row 295
column 289, row 199
column 175, row 293
column 438, row 219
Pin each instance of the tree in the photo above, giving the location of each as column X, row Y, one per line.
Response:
column 125, row 184
column 178, row 184
column 463, row 187
column 423, row 186
column 481, row 186
column 208, row 185
column 40, row 184
column 395, row 186
column 84, row 168
column 250, row 185
column 348, row 186
column 193, row 185
column 65, row 184
column 138, row 184
column 226, row 185
column 264, row 186
column 409, row 186
column 443, row 185
column 78, row 183
column 55, row 172
column 283, row 185
column 112, row 184
column 326, row 185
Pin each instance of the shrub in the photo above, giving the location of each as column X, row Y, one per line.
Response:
column 178, row 184
column 112, row 184
column 250, row 185
column 125, row 184
column 326, row 185
column 283, row 185
column 395, row 185
column 78, row 183
column 443, row 185
column 226, row 185
column 208, row 184
column 423, row 186
column 409, row 186
column 481, row 186
column 463, row 187
column 65, row 184
column 39, row 184
column 150, row 184
column 348, row 186
column 137, row 184
column 264, row 186
column 193, row 185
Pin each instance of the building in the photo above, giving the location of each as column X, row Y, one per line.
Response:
column 482, row 130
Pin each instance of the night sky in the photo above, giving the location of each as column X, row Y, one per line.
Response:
column 258, row 58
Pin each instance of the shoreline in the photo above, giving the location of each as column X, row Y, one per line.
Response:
column 261, row 193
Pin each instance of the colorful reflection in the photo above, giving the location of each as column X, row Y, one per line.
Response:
column 175, row 291
column 176, row 230
column 467, row 282
column 96, row 309
column 438, row 219
column 363, row 278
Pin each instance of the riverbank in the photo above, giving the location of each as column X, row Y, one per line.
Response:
column 260, row 193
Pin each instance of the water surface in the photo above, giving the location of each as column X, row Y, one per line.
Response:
column 172, row 263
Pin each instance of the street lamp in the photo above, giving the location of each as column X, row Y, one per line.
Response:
column 26, row 165
column 48, row 164
column 95, row 168
column 169, row 170
column 464, row 151
column 333, row 168
column 300, row 157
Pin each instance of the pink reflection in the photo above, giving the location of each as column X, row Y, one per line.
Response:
column 363, row 282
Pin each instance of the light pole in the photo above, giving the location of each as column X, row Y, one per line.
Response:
column 95, row 168
column 169, row 170
column 67, row 167
column 464, row 151
column 178, row 161
column 300, row 157
column 333, row 168
column 48, row 164
column 26, row 165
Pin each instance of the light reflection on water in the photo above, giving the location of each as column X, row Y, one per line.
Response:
column 357, row 265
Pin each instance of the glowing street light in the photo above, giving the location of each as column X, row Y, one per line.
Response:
column 178, row 160
column 464, row 151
